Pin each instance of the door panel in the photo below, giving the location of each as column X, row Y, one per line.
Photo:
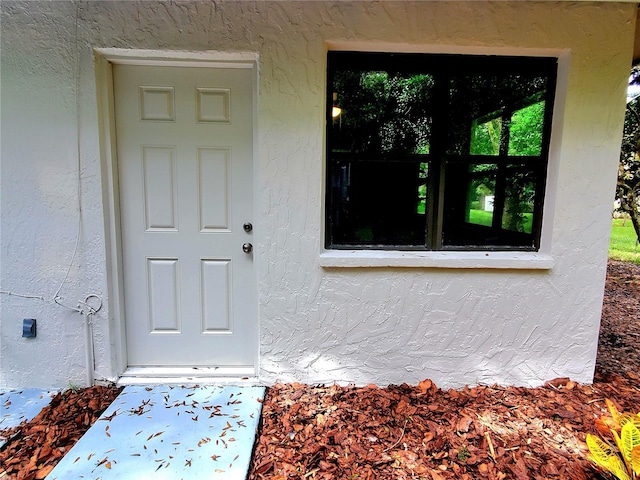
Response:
column 185, row 160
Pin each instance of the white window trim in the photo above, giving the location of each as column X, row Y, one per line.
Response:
column 436, row 259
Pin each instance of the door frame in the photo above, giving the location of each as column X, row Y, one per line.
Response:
column 105, row 58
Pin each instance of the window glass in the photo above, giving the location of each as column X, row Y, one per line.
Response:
column 423, row 176
column 517, row 215
column 526, row 129
column 436, row 152
column 485, row 137
column 481, row 193
column 377, row 203
column 381, row 112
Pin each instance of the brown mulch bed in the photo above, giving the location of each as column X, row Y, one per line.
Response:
column 398, row 432
column 619, row 344
column 424, row 432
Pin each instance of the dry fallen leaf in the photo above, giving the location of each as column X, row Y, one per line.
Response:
column 424, row 386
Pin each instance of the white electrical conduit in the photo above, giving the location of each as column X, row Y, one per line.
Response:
column 89, row 355
column 88, row 311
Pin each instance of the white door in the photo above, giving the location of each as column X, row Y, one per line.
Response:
column 185, row 158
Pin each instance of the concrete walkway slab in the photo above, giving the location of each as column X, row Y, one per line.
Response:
column 169, row 432
column 17, row 406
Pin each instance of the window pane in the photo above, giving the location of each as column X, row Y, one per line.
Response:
column 485, row 137
column 382, row 112
column 377, row 203
column 525, row 134
column 481, row 193
column 488, row 205
column 501, row 113
column 517, row 215
column 423, row 176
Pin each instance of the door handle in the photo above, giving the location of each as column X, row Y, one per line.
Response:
column 247, row 248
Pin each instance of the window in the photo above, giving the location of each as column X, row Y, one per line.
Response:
column 437, row 152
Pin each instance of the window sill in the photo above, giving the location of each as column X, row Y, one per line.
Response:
column 441, row 259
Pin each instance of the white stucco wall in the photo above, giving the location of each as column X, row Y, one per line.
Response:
column 317, row 324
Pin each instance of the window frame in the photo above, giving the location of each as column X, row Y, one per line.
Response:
column 444, row 67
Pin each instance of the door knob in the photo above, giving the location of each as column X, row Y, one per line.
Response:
column 247, row 248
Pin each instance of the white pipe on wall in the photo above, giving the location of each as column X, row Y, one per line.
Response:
column 89, row 355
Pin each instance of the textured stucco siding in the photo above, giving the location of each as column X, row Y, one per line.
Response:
column 360, row 325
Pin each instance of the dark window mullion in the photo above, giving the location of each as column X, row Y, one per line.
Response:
column 387, row 158
column 435, row 200
column 538, row 199
column 541, row 181
column 501, row 176
column 497, row 159
column 330, row 160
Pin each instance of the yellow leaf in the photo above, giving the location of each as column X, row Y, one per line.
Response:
column 629, row 418
column 618, row 440
column 600, row 452
column 615, row 413
column 630, row 439
column 635, row 460
column 108, row 465
column 618, row 468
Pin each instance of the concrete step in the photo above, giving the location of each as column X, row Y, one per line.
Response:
column 169, row 432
